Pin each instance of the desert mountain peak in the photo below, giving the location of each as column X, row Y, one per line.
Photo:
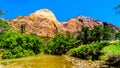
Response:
column 44, row 13
column 44, row 23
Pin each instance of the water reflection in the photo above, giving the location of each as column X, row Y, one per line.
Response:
column 42, row 61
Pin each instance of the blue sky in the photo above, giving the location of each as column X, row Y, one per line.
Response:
column 64, row 9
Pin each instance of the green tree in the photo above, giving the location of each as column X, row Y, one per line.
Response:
column 15, row 44
column 60, row 44
column 3, row 24
column 90, row 51
column 85, row 35
column 97, row 33
column 117, row 35
column 108, row 33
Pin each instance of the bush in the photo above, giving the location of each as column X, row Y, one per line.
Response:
column 3, row 24
column 97, row 34
column 60, row 44
column 112, row 49
column 15, row 44
column 89, row 51
column 113, row 54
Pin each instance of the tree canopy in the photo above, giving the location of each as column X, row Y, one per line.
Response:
column 99, row 33
column 117, row 9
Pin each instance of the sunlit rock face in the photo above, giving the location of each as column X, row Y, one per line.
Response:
column 89, row 22
column 78, row 22
column 72, row 25
column 42, row 23
column 111, row 25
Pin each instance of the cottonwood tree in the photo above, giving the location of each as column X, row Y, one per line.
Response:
column 97, row 33
column 108, row 33
column 85, row 35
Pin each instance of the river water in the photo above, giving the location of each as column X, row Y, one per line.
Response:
column 40, row 61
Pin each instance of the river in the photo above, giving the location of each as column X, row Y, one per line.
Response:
column 38, row 61
column 48, row 61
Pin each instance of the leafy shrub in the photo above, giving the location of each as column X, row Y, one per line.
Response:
column 60, row 44
column 113, row 49
column 15, row 44
column 97, row 34
column 89, row 51
column 117, row 35
column 45, row 39
column 3, row 24
column 85, row 35
column 113, row 54
column 108, row 33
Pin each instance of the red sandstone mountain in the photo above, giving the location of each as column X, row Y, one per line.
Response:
column 72, row 25
column 77, row 23
column 44, row 23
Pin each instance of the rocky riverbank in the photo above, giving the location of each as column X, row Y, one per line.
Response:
column 80, row 63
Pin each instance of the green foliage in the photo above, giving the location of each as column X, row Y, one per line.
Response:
column 15, row 44
column 108, row 33
column 113, row 49
column 85, row 35
column 90, row 51
column 3, row 24
column 117, row 35
column 45, row 39
column 97, row 34
column 60, row 44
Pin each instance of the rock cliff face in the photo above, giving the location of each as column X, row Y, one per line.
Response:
column 78, row 22
column 111, row 25
column 72, row 25
column 44, row 23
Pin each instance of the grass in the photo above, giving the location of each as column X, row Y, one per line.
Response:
column 112, row 49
